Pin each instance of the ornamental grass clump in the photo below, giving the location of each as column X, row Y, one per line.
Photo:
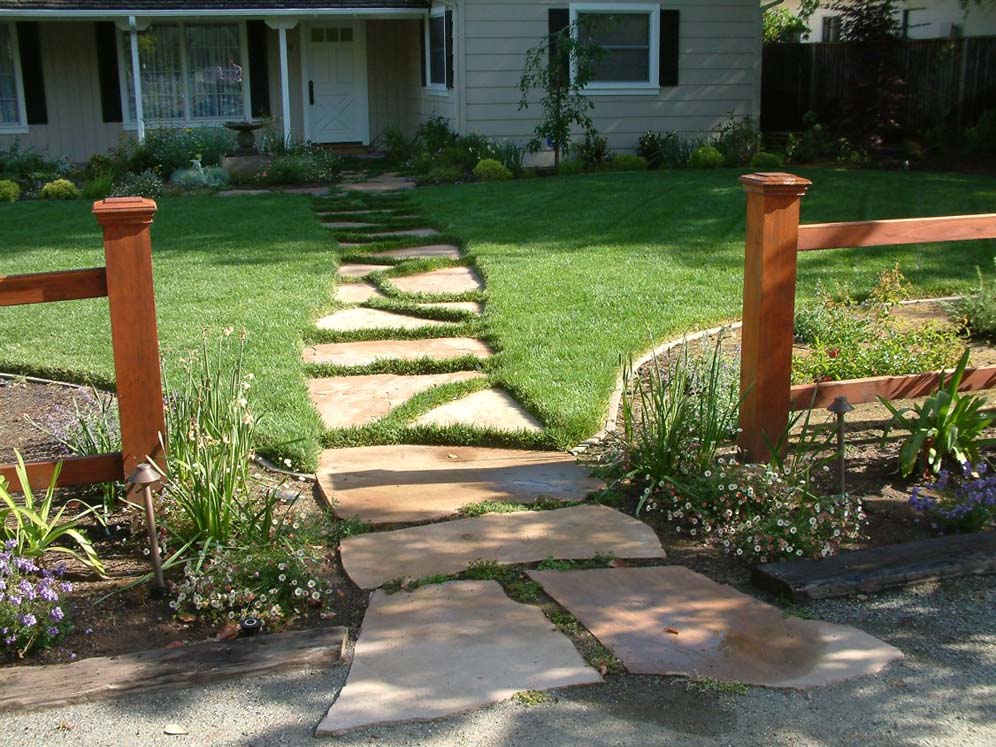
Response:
column 32, row 613
column 958, row 502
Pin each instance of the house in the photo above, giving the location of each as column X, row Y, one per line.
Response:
column 77, row 75
column 918, row 19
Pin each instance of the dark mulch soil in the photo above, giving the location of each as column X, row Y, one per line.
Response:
column 30, row 413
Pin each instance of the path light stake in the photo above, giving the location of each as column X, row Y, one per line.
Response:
column 145, row 477
column 840, row 407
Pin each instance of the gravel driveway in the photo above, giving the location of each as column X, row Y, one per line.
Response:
column 943, row 693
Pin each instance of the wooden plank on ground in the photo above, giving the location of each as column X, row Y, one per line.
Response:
column 35, row 688
column 879, row 568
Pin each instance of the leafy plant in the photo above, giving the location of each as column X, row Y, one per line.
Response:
column 594, row 151
column 313, row 165
column 571, row 167
column 166, row 149
column 560, row 68
column 31, row 609
column 59, row 189
column 511, row 155
column 199, row 177
column 780, row 25
column 29, row 167
column 738, row 139
column 959, row 503
column 978, row 310
column 434, row 135
column 981, row 136
column 99, row 187
column 398, row 147
column 34, row 528
column 706, row 157
column 946, row 427
column 146, row 184
column 767, row 161
column 627, row 162
column 442, row 175
column 9, row 190
column 667, row 149
column 490, row 170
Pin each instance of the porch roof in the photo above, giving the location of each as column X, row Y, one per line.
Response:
column 70, row 8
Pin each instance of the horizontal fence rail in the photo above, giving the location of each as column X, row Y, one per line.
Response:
column 773, row 240
column 127, row 283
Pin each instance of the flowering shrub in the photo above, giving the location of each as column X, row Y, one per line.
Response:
column 145, row 184
column 958, row 503
column 757, row 513
column 272, row 583
column 31, row 615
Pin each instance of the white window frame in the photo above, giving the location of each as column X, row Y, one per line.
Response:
column 124, row 67
column 624, row 88
column 21, row 126
column 435, row 89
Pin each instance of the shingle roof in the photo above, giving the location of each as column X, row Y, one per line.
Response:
column 186, row 5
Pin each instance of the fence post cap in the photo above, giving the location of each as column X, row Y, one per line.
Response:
column 775, row 183
column 131, row 210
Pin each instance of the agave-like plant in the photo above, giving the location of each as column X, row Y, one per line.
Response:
column 37, row 531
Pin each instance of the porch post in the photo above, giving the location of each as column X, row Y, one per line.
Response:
column 136, row 74
column 284, row 84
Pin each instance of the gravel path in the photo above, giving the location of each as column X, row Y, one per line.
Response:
column 943, row 693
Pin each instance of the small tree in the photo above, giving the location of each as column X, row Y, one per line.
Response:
column 779, row 26
column 561, row 67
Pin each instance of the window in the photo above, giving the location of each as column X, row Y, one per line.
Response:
column 629, row 36
column 435, row 49
column 11, row 91
column 831, row 29
column 190, row 73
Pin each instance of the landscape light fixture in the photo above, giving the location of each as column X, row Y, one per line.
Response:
column 145, row 476
column 840, row 407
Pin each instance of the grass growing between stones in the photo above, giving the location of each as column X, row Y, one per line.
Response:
column 600, row 560
column 583, row 270
column 530, row 698
column 502, row 507
column 709, row 686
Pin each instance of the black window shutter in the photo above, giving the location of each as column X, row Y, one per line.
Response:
column 107, row 71
column 670, row 47
column 29, row 41
column 421, row 46
column 449, row 48
column 558, row 19
column 259, row 72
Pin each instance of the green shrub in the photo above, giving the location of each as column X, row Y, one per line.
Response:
column 170, row 148
column 982, row 136
column 738, row 140
column 199, row 177
column 147, row 184
column 434, row 135
column 666, row 149
column 511, row 155
column 469, row 150
column 442, row 175
column 59, row 189
column 594, row 151
column 706, row 157
column 98, row 187
column 978, row 310
column 767, row 161
column 628, row 162
column 315, row 165
column 398, row 147
column 571, row 167
column 29, row 167
column 490, row 170
column 9, row 190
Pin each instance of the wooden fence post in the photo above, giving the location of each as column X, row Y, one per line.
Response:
column 773, row 202
column 130, row 292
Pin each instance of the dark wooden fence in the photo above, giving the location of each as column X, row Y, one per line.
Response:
column 947, row 82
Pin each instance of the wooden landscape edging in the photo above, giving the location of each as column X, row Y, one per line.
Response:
column 25, row 689
column 773, row 241
column 127, row 283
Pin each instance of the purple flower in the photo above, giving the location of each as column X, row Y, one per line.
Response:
column 15, row 600
column 28, row 620
column 52, row 631
column 57, row 614
column 48, row 594
column 26, row 588
column 66, row 587
column 9, row 640
column 10, row 544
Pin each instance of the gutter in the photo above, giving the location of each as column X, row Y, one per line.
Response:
column 768, row 6
column 214, row 12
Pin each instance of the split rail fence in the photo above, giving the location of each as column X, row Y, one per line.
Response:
column 126, row 282
column 774, row 239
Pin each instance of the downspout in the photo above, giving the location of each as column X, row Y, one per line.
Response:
column 136, row 74
column 460, row 84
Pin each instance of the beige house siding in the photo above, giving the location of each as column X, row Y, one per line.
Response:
column 719, row 71
column 72, row 96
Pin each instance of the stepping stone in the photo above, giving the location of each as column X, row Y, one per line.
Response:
column 405, row 232
column 346, row 211
column 316, row 191
column 351, row 320
column 446, row 280
column 432, row 251
column 669, row 620
column 383, row 183
column 447, row 649
column 356, row 292
column 367, row 352
column 357, row 270
column 347, row 224
column 345, row 401
column 530, row 536
column 242, row 192
column 393, row 484
column 471, row 307
column 488, row 408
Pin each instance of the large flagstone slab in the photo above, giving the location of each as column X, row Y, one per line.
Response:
column 382, row 183
column 430, row 251
column 358, row 270
column 351, row 320
column 356, row 292
column 488, row 408
column 445, row 280
column 529, row 536
column 471, row 307
column 393, row 484
column 345, row 401
column 346, row 224
column 448, row 649
column 367, row 352
column 670, row 620
column 405, row 232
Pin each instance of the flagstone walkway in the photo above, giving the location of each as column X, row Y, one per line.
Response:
column 399, row 366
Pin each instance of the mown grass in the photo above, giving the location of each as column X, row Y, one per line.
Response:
column 582, row 270
column 260, row 263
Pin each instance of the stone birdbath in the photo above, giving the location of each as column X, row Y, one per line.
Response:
column 246, row 137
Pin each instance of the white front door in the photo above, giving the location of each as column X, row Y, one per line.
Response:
column 336, row 82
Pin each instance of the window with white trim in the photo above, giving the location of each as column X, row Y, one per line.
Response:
column 190, row 73
column 11, row 91
column 435, row 49
column 629, row 37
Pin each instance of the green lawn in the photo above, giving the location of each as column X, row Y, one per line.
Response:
column 584, row 269
column 259, row 263
column 580, row 270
